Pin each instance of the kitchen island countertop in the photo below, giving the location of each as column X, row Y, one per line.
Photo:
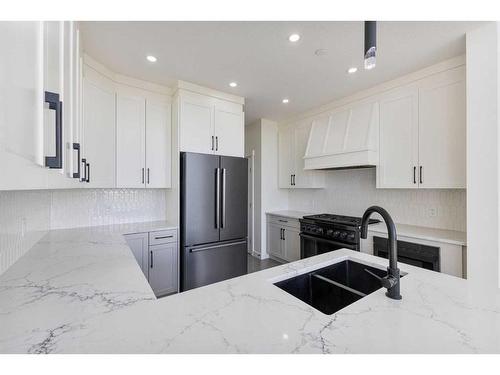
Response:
column 81, row 291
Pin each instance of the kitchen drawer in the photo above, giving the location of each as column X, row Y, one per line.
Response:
column 162, row 236
column 283, row 221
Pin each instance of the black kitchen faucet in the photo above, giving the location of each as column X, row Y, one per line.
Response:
column 392, row 280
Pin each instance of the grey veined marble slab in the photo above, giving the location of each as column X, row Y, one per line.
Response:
column 80, row 291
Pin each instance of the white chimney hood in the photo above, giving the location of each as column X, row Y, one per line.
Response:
column 344, row 138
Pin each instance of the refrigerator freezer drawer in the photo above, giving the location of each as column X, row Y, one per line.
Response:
column 211, row 263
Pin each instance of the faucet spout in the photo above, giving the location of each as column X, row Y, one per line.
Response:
column 392, row 280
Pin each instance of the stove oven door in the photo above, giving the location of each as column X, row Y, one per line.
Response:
column 312, row 245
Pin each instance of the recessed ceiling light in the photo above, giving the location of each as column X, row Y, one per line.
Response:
column 285, row 101
column 294, row 38
column 151, row 58
column 320, row 52
column 352, row 70
column 233, row 84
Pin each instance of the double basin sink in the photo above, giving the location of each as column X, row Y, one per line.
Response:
column 334, row 287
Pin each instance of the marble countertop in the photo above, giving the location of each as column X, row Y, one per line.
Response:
column 431, row 234
column 81, row 291
column 290, row 214
column 412, row 231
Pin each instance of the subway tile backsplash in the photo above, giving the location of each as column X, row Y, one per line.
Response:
column 25, row 216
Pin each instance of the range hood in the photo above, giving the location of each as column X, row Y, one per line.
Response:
column 344, row 138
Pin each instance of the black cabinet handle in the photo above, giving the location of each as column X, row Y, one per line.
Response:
column 55, row 162
column 216, row 143
column 421, row 175
column 283, row 234
column 151, row 257
column 84, row 177
column 148, row 176
column 162, row 237
column 291, row 180
column 87, row 173
column 142, row 175
column 414, row 175
column 212, row 142
column 76, row 146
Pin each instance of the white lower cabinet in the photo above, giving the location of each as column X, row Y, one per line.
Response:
column 283, row 240
column 163, row 268
column 157, row 255
column 138, row 243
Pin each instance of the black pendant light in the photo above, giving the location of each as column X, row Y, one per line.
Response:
column 370, row 44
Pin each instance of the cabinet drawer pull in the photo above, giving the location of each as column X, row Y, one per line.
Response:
column 283, row 221
column 151, row 258
column 55, row 162
column 414, row 175
column 162, row 237
column 216, row 143
column 142, row 175
column 212, row 143
column 148, row 176
column 421, row 175
column 283, row 234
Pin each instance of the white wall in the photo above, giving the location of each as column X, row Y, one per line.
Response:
column 482, row 155
column 351, row 192
column 262, row 136
column 253, row 143
column 25, row 216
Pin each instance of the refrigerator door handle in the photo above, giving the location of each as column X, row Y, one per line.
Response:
column 223, row 224
column 203, row 248
column 217, row 197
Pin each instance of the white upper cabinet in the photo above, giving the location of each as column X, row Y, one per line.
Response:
column 209, row 124
column 422, row 133
column 37, row 94
column 196, row 123
column 292, row 145
column 442, row 130
column 143, row 137
column 21, row 111
column 130, row 140
column 97, row 167
column 398, row 139
column 158, row 144
column 229, row 129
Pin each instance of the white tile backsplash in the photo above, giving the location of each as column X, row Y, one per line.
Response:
column 350, row 192
column 25, row 216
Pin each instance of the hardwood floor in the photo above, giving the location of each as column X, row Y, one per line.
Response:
column 256, row 264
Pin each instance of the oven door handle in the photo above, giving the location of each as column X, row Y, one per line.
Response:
column 335, row 243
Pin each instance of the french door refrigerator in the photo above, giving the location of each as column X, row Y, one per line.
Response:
column 213, row 200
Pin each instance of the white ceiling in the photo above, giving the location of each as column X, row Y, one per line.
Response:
column 265, row 64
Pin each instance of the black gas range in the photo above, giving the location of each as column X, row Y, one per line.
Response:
column 326, row 232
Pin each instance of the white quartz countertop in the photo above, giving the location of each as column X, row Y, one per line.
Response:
column 431, row 234
column 290, row 214
column 81, row 291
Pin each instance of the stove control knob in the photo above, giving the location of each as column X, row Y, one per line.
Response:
column 329, row 232
column 351, row 237
column 343, row 235
column 336, row 233
column 319, row 230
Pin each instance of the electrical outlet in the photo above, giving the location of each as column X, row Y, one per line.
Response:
column 433, row 212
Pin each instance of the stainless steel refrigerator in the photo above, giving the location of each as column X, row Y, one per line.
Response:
column 213, row 200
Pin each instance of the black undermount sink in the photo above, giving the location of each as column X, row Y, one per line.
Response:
column 332, row 288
